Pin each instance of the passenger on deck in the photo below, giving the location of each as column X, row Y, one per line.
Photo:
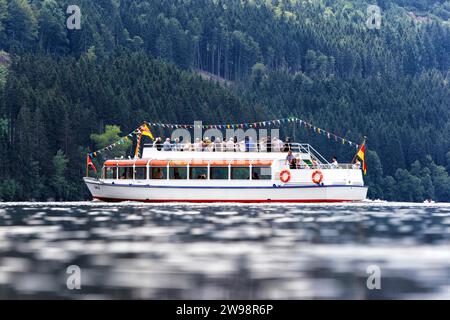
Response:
column 205, row 143
column 357, row 164
column 167, row 146
column 289, row 158
column 187, row 146
column 287, row 144
column 280, row 145
column 314, row 163
column 177, row 146
column 209, row 146
column 269, row 144
column 275, row 145
column 157, row 144
column 236, row 144
column 197, row 145
column 263, row 144
column 334, row 163
column 294, row 163
column 218, row 147
column 230, row 145
column 242, row 146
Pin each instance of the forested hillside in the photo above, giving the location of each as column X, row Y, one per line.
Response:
column 133, row 60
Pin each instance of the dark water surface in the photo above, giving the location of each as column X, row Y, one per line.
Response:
column 224, row 251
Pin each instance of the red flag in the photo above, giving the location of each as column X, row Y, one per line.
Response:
column 90, row 163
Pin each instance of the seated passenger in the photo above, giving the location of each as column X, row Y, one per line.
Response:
column 167, row 146
column 177, row 146
column 208, row 145
column 263, row 144
column 334, row 163
column 198, row 145
column 357, row 164
column 255, row 176
column 218, row 145
column 230, row 145
column 242, row 146
column 187, row 146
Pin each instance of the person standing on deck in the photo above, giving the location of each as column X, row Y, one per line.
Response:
column 289, row 158
column 158, row 144
column 334, row 163
column 287, row 144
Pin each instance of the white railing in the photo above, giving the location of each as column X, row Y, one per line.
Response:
column 239, row 147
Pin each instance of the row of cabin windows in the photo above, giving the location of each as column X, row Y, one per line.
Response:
column 195, row 173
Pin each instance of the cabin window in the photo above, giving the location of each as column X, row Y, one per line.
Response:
column 110, row 173
column 159, row 172
column 240, row 173
column 198, row 173
column 178, row 173
column 126, row 173
column 140, row 173
column 261, row 173
column 218, row 173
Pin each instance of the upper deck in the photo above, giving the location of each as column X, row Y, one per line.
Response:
column 231, row 151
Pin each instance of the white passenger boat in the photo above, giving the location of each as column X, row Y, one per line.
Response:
column 248, row 177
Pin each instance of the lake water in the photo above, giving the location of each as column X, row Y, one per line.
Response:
column 209, row 251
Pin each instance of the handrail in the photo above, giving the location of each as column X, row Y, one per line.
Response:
column 234, row 147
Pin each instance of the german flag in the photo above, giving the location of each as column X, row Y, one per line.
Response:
column 361, row 155
column 145, row 131
column 89, row 163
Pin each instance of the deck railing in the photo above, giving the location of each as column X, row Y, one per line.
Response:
column 241, row 147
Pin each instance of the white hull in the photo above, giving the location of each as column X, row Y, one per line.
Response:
column 251, row 192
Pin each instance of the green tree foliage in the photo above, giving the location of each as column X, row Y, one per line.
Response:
column 58, row 181
column 52, row 31
column 21, row 24
column 110, row 136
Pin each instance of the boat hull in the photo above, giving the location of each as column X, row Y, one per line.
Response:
column 113, row 192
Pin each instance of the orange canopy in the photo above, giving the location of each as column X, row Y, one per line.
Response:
column 141, row 162
column 159, row 163
column 199, row 163
column 178, row 163
column 262, row 163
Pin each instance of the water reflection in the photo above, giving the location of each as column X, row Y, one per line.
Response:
column 224, row 251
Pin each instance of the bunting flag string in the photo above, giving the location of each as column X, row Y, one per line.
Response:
column 259, row 124
column 254, row 125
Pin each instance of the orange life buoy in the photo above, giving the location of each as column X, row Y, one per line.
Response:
column 285, row 176
column 317, row 177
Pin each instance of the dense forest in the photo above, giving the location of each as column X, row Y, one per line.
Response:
column 136, row 60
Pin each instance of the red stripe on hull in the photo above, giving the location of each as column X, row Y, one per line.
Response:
column 236, row 201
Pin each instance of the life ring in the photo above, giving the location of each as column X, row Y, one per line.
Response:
column 285, row 176
column 317, row 177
